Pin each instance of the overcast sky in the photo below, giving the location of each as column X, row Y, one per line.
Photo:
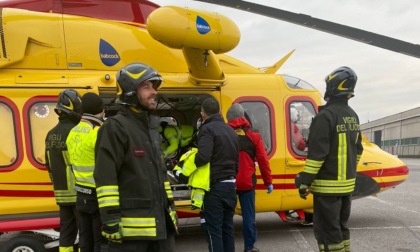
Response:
column 388, row 82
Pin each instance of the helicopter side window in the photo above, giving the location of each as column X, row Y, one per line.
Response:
column 41, row 119
column 300, row 118
column 8, row 146
column 259, row 114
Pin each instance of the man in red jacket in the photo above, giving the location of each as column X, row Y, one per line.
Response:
column 252, row 151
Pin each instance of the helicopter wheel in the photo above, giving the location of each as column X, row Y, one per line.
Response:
column 25, row 243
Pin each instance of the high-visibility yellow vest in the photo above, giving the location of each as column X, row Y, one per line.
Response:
column 199, row 177
column 81, row 148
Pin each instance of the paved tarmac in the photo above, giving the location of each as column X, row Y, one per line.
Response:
column 387, row 223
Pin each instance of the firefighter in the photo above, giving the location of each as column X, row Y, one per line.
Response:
column 335, row 147
column 69, row 110
column 81, row 147
column 135, row 198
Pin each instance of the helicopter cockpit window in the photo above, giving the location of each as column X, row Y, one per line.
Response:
column 259, row 115
column 297, row 83
column 300, row 118
column 41, row 118
column 8, row 146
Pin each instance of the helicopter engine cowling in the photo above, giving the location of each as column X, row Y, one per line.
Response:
column 186, row 28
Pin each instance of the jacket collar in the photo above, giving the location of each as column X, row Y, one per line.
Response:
column 239, row 122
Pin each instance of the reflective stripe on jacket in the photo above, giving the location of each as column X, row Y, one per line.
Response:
column 199, row 177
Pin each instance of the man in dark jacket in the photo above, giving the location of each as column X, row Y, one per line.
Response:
column 335, row 148
column 134, row 195
column 252, row 150
column 218, row 144
column 69, row 111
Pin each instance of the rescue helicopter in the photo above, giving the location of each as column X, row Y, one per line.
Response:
column 51, row 45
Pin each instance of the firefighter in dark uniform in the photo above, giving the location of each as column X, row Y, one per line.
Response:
column 135, row 198
column 335, row 147
column 69, row 111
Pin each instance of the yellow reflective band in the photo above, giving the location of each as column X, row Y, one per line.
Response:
column 139, row 232
column 66, row 200
column 321, row 182
column 64, row 193
column 332, row 247
column 332, row 190
column 312, row 166
column 84, row 175
column 66, row 249
column 342, row 156
column 69, row 173
column 311, row 170
column 138, row 222
column 107, row 191
column 167, row 186
column 314, row 163
column 346, row 245
column 109, row 201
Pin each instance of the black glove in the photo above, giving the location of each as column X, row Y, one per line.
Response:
column 181, row 177
column 303, row 191
column 113, row 232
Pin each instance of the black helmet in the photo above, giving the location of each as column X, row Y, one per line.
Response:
column 130, row 77
column 70, row 103
column 340, row 82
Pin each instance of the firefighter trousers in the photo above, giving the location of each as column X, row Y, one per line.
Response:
column 331, row 214
column 69, row 222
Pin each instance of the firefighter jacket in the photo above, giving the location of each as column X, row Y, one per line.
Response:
column 58, row 164
column 251, row 150
column 335, row 147
column 177, row 137
column 81, row 148
column 130, row 176
column 199, row 177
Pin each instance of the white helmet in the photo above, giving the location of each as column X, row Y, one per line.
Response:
column 294, row 114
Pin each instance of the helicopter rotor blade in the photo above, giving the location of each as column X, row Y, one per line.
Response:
column 359, row 35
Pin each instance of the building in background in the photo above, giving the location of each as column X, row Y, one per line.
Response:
column 397, row 134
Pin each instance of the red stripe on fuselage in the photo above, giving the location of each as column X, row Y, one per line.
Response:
column 387, row 172
column 44, row 223
column 28, row 193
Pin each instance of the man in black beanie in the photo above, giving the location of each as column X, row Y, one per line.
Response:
column 81, row 148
